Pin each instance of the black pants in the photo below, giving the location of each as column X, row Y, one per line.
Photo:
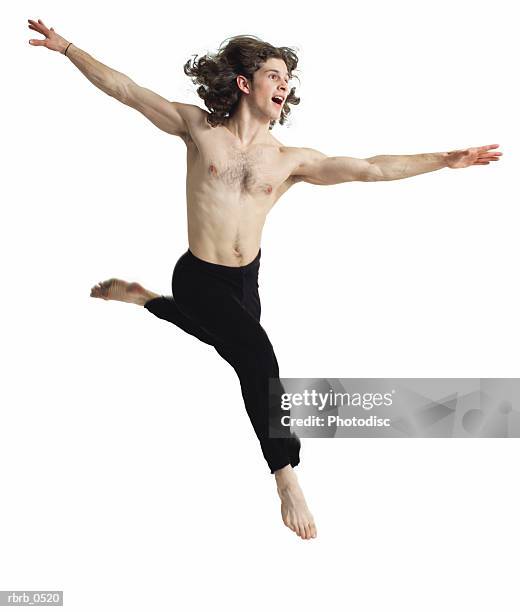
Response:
column 220, row 306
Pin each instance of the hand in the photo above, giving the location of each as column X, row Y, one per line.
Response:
column 472, row 157
column 52, row 41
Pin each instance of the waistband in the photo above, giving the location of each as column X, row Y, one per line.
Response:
column 221, row 267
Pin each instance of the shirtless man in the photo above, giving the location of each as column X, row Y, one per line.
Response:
column 236, row 172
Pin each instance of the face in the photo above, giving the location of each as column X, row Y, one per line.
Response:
column 270, row 81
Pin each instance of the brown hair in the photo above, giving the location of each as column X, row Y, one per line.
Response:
column 216, row 74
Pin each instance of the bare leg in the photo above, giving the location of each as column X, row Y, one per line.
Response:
column 295, row 513
column 122, row 291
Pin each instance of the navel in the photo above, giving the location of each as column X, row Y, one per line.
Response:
column 236, row 247
column 213, row 169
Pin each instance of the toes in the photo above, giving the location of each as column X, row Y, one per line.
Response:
column 99, row 290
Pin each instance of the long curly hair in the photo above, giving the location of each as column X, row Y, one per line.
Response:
column 216, row 74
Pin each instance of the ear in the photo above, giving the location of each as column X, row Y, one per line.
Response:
column 243, row 84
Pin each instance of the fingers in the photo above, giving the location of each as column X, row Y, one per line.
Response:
column 484, row 158
column 42, row 24
column 36, row 28
column 479, row 149
column 488, row 158
column 39, row 26
column 34, row 25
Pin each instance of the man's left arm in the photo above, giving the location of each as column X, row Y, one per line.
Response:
column 318, row 169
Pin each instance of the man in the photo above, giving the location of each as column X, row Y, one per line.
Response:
column 236, row 172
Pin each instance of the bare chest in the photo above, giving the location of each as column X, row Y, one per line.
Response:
column 215, row 160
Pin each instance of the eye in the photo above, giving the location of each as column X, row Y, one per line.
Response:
column 276, row 76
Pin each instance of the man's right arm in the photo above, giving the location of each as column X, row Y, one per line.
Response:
column 107, row 79
column 172, row 117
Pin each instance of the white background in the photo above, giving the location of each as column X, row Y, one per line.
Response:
column 131, row 476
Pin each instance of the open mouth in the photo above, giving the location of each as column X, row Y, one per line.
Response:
column 277, row 100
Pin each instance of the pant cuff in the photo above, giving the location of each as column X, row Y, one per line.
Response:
column 292, row 463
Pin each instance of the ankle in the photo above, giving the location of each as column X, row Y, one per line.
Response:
column 285, row 478
column 149, row 295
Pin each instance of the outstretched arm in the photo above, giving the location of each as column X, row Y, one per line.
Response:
column 318, row 169
column 108, row 80
column 171, row 117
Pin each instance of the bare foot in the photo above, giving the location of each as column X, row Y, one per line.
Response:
column 295, row 513
column 122, row 291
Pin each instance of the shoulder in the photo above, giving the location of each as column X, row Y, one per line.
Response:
column 192, row 114
column 300, row 157
column 195, row 122
column 302, row 154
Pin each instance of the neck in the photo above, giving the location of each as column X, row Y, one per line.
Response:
column 247, row 127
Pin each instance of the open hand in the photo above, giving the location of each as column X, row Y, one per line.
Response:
column 52, row 41
column 472, row 157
